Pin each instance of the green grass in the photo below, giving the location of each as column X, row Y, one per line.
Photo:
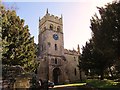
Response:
column 94, row 83
column 102, row 83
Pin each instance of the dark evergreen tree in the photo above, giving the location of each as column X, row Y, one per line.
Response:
column 106, row 32
column 17, row 43
column 106, row 39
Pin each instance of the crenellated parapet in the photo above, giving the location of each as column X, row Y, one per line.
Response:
column 71, row 52
column 50, row 22
column 52, row 18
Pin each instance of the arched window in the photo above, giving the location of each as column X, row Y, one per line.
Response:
column 51, row 26
column 55, row 46
column 55, row 60
column 75, row 71
column 58, row 28
column 44, row 28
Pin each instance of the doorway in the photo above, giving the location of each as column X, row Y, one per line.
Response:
column 56, row 75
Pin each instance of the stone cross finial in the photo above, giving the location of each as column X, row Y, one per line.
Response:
column 39, row 18
column 61, row 16
column 47, row 11
column 78, row 49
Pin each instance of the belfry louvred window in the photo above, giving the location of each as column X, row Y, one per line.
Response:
column 58, row 28
column 51, row 26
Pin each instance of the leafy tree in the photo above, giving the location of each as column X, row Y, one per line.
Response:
column 17, row 43
column 36, row 49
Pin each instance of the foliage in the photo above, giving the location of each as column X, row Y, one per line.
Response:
column 110, row 32
column 36, row 49
column 34, row 82
column 86, row 57
column 92, row 59
column 104, row 50
column 17, row 44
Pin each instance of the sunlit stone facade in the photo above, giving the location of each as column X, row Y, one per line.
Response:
column 56, row 63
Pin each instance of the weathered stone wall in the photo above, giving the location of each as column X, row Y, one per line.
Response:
column 72, row 67
column 72, row 58
column 42, row 69
column 46, row 39
column 22, row 83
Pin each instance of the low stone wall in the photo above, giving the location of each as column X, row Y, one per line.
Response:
column 22, row 83
column 15, row 77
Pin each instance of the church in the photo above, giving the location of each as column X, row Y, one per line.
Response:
column 57, row 64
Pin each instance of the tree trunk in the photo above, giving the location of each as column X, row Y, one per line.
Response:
column 102, row 75
column 111, row 72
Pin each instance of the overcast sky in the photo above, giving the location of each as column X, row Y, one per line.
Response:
column 76, row 17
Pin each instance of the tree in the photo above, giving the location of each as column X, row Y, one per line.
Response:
column 106, row 32
column 92, row 59
column 105, row 37
column 36, row 49
column 17, row 43
column 86, row 57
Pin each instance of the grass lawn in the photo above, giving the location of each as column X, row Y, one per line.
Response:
column 93, row 83
column 102, row 83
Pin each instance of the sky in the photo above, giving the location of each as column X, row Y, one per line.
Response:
column 76, row 17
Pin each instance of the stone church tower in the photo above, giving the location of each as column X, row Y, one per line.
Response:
column 54, row 65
